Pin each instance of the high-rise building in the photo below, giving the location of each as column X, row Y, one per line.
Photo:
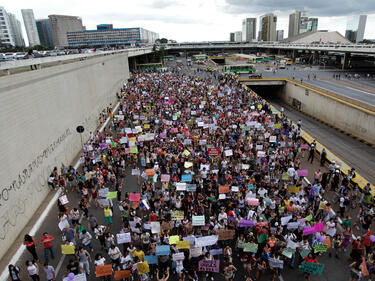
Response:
column 6, row 37
column 238, row 36
column 249, row 29
column 44, row 31
column 269, row 22
column 16, row 31
column 300, row 23
column 231, row 37
column 279, row 35
column 60, row 25
column 355, row 28
column 30, row 26
column 294, row 20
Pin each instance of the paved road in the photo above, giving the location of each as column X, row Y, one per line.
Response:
column 303, row 72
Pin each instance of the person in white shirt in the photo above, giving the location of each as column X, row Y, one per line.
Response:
column 115, row 255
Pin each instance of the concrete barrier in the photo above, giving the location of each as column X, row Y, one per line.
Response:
column 39, row 111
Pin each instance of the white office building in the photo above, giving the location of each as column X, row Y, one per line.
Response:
column 355, row 29
column 30, row 25
column 16, row 30
column 5, row 29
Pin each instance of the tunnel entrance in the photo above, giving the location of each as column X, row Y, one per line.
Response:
column 268, row 92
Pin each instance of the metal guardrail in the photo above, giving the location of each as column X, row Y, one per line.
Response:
column 44, row 60
column 345, row 48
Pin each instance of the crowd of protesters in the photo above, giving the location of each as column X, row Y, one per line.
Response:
column 221, row 190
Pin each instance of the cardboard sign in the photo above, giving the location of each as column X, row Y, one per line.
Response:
column 228, row 152
column 133, row 149
column 183, row 245
column 112, row 195
column 178, row 256
column 134, row 197
column 165, row 178
column 253, row 201
column 122, row 274
column 155, row 227
column 102, row 192
column 196, row 252
column 180, row 186
column 123, row 238
column 151, row 259
column 67, row 249
column 174, row 239
column 186, row 178
column 216, row 252
column 226, row 234
column 162, row 250
column 209, row 265
column 143, row 267
column 191, row 187
column 150, row 172
column 320, row 248
column 285, row 176
column 303, row 173
column 312, row 268
column 187, row 165
column 304, row 253
column 64, row 200
column 223, row 188
column 177, row 215
column 276, row 263
column 103, row 270
column 198, row 221
column 214, row 152
column 250, row 247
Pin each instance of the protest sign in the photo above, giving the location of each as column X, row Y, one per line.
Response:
column 303, row 173
column 63, row 224
column 286, row 219
column 250, row 247
column 103, row 270
column 311, row 268
column 67, row 249
column 320, row 248
column 285, row 176
column 103, row 202
column 309, row 218
column 150, row 172
column 102, row 192
column 308, row 231
column 196, row 252
column 253, row 201
column 143, row 267
column 213, row 152
column 319, row 227
column 209, row 265
column 151, row 259
column 112, row 195
column 276, row 263
column 304, row 253
column 187, row 165
column 136, row 172
column 235, row 189
column 122, row 274
column 177, row 215
column 186, row 178
column 123, row 238
column 226, row 234
column 165, row 178
column 246, row 223
column 183, row 245
column 216, row 252
column 198, row 221
column 178, row 256
column 77, row 277
column 206, row 240
column 173, row 239
column 155, row 227
column 134, row 197
column 292, row 225
column 228, row 152
column 293, row 189
column 162, row 250
column 133, row 149
column 222, row 196
column 180, row 186
column 223, row 188
column 292, row 245
column 288, row 252
column 191, row 187
column 64, row 200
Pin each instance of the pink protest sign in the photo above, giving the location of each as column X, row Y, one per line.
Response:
column 174, row 130
column 134, row 197
column 304, row 146
column 209, row 265
column 127, row 150
column 253, row 201
column 303, row 173
column 165, row 178
column 308, row 231
column 319, row 227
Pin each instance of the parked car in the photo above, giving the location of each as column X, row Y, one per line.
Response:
column 20, row 56
column 255, row 76
column 60, row 53
column 9, row 56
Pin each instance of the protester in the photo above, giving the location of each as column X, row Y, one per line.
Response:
column 30, row 246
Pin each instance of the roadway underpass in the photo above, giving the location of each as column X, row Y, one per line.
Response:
column 356, row 154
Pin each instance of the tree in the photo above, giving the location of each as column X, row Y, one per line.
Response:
column 163, row 40
column 366, row 41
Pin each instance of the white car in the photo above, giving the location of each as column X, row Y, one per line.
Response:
column 20, row 56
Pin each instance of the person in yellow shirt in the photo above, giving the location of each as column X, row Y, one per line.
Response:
column 108, row 216
column 139, row 253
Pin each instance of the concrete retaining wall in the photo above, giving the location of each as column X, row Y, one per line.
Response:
column 341, row 114
column 39, row 111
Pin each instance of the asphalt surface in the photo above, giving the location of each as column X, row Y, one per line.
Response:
column 335, row 269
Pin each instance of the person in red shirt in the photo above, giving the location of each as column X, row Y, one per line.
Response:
column 46, row 241
column 310, row 258
column 152, row 216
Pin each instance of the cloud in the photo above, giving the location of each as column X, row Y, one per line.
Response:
column 161, row 4
column 314, row 8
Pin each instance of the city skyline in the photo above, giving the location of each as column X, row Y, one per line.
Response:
column 178, row 20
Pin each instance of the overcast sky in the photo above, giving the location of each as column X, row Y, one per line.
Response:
column 198, row 20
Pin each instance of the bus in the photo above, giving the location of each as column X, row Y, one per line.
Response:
column 241, row 68
column 168, row 58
